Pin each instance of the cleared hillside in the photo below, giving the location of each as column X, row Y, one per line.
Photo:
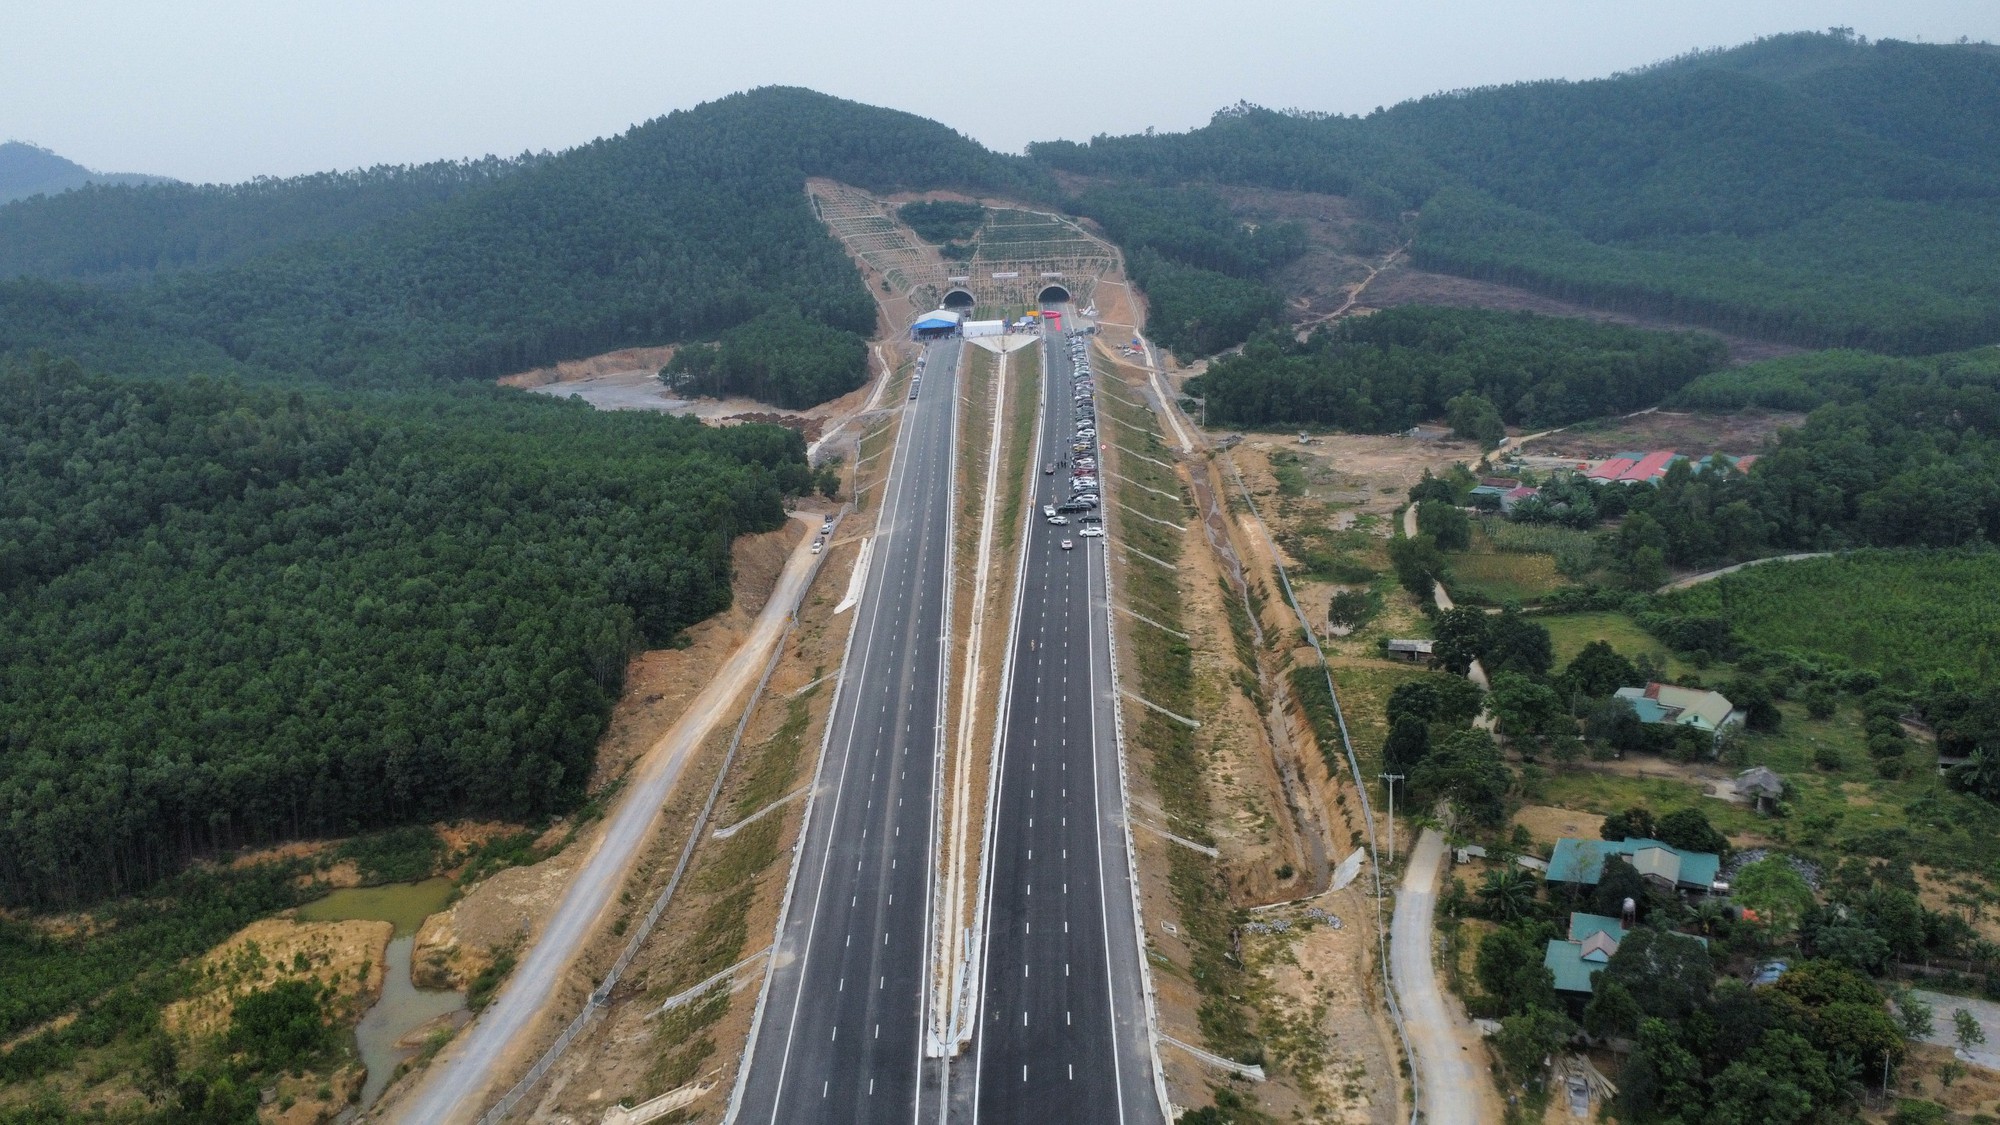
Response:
column 1812, row 188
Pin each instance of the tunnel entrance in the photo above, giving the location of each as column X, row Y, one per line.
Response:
column 958, row 299
column 1055, row 295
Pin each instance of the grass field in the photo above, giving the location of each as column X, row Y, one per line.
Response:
column 1500, row 578
column 1364, row 688
column 1493, row 575
column 1569, row 632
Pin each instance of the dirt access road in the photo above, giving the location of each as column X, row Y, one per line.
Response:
column 1454, row 1087
column 491, row 1050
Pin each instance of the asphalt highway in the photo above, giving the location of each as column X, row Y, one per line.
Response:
column 1062, row 1029
column 839, row 1032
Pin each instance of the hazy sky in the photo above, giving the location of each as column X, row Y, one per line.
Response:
column 229, row 89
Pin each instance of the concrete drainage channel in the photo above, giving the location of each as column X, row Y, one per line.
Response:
column 1361, row 788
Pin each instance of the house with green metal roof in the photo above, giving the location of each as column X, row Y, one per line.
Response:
column 1582, row 862
column 1679, row 706
column 1574, row 960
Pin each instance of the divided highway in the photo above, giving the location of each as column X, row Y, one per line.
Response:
column 840, row 1028
column 1062, row 1029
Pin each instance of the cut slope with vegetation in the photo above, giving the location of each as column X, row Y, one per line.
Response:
column 230, row 615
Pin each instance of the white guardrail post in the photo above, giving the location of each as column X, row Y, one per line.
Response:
column 1131, row 853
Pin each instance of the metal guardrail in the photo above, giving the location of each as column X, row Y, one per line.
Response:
column 601, row 995
column 1360, row 787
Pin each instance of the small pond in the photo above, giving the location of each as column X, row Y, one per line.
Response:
column 405, row 904
column 403, row 1007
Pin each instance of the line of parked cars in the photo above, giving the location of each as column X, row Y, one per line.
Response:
column 1083, row 489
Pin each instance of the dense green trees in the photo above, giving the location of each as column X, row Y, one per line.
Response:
column 1396, row 368
column 1447, row 524
column 281, row 1026
column 231, row 615
column 780, row 357
column 128, row 234
column 1202, row 268
column 1809, row 188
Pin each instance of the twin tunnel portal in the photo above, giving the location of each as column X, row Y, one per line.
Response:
column 962, row 300
column 1039, row 1011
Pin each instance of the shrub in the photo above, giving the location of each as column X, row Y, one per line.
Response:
column 280, row 1025
column 1828, row 759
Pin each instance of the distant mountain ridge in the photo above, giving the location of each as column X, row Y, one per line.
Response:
column 678, row 229
column 27, row 170
column 1817, row 189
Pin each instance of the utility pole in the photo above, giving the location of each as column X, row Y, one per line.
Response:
column 1391, row 779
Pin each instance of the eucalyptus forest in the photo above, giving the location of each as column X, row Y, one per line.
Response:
column 235, row 614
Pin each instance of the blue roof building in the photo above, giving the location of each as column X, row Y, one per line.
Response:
column 1592, row 940
column 1582, row 861
column 938, row 322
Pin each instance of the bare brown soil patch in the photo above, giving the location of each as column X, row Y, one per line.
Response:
column 344, row 955
column 1691, row 432
column 1964, row 895
column 503, row 910
column 623, row 360
column 1547, row 823
column 304, row 1095
column 1974, row 1091
column 659, row 683
column 463, row 836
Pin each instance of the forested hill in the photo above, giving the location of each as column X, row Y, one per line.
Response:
column 27, row 170
column 132, row 233
column 678, row 229
column 1815, row 188
column 231, row 615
